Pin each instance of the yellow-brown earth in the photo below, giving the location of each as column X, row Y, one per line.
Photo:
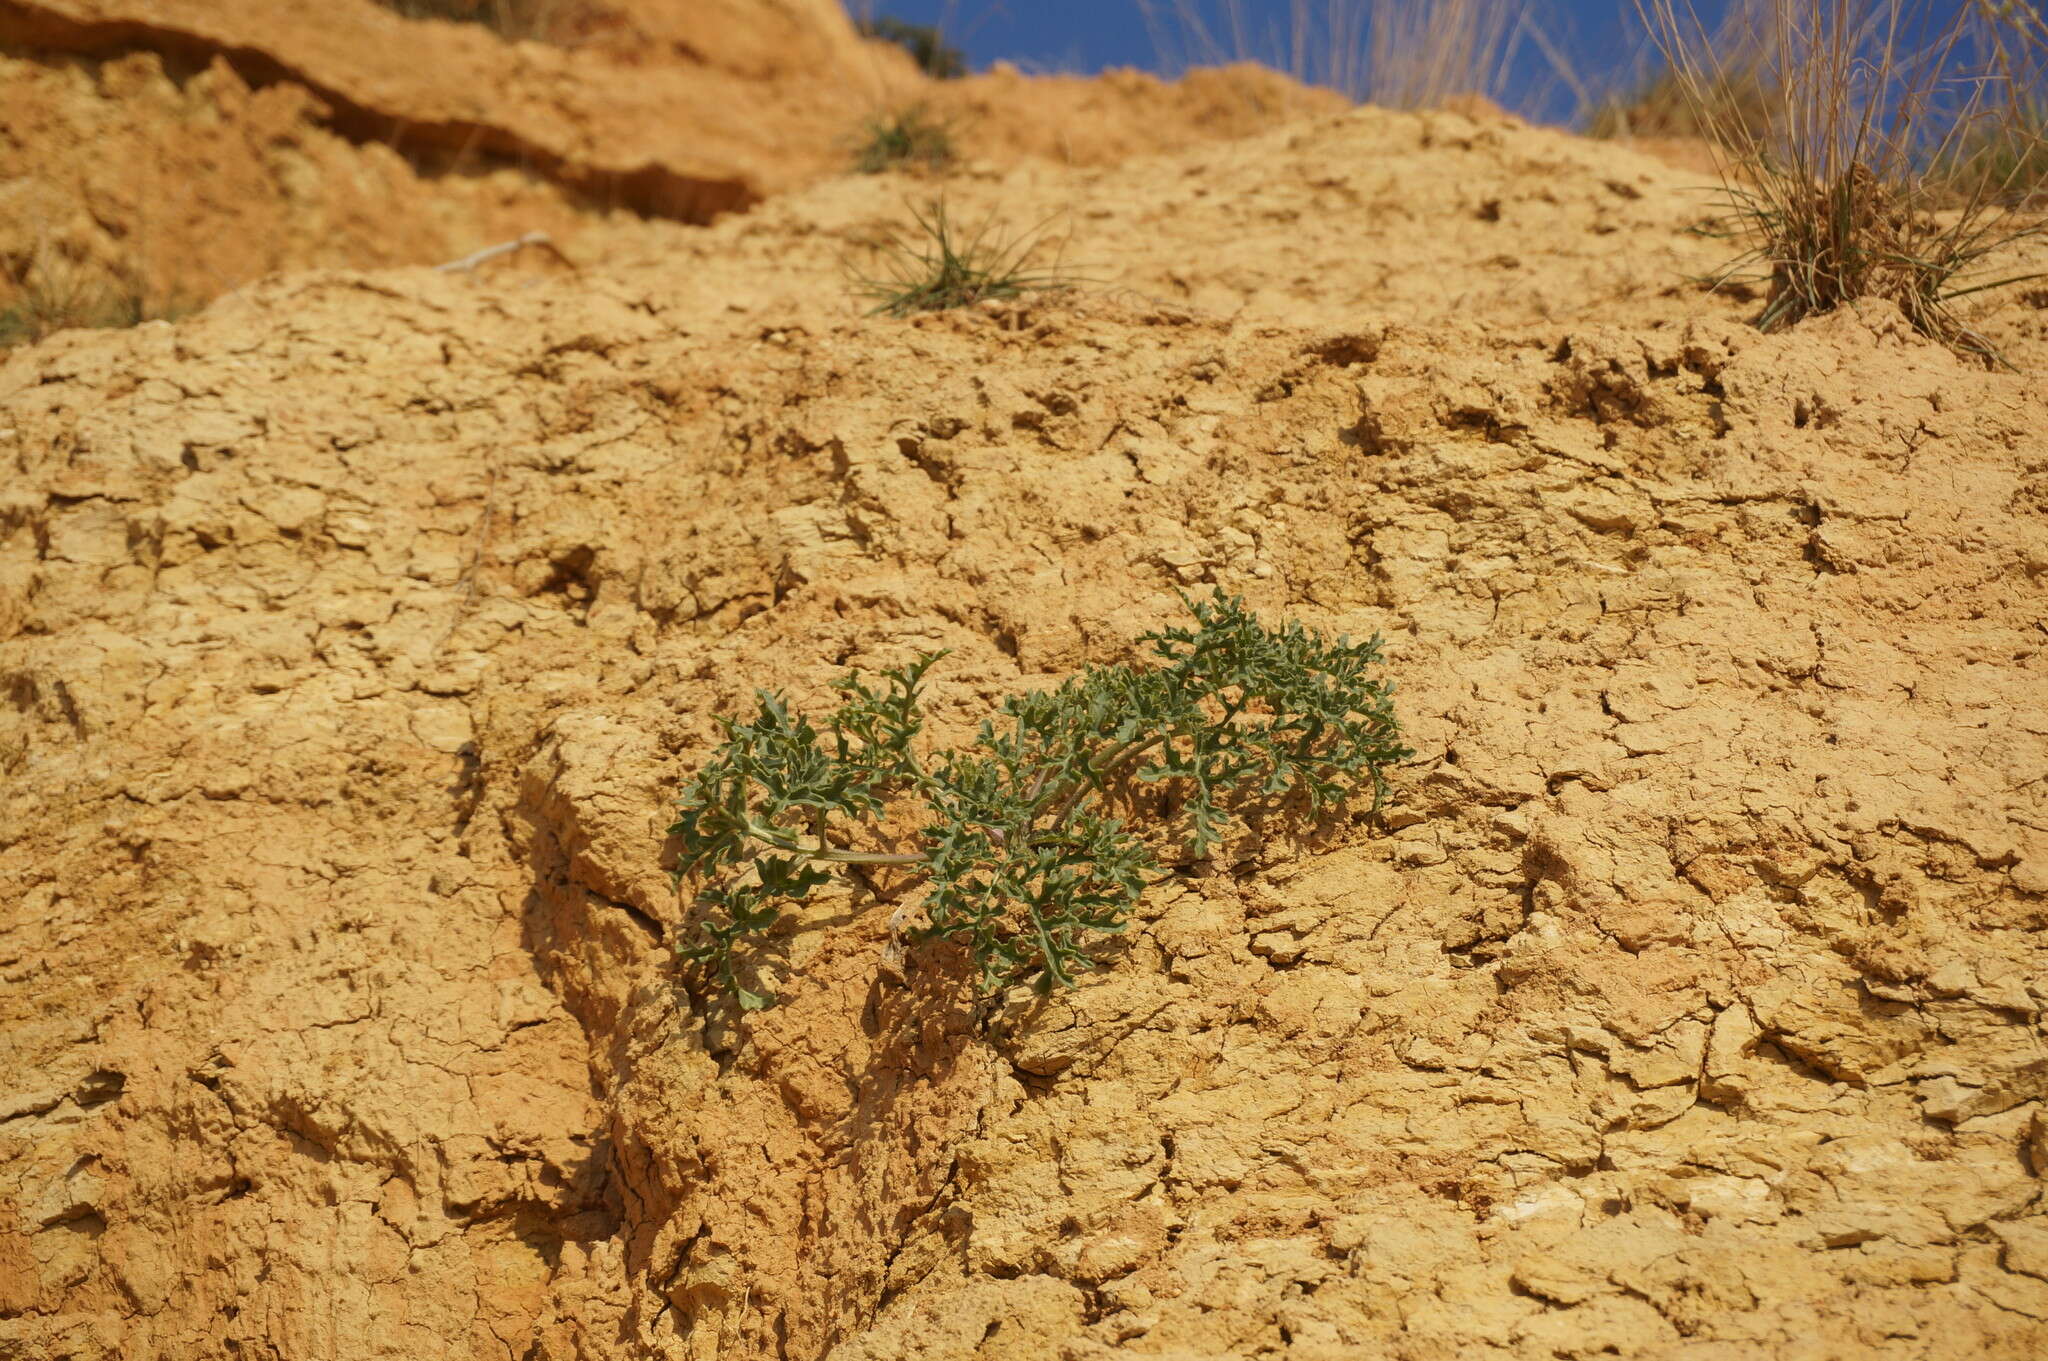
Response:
column 177, row 150
column 356, row 631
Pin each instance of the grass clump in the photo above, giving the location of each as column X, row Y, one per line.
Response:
column 908, row 138
column 925, row 44
column 2008, row 158
column 940, row 266
column 1842, row 193
column 45, row 295
column 1016, row 845
column 1662, row 105
column 1415, row 54
column 1737, row 95
column 2008, row 161
column 515, row 20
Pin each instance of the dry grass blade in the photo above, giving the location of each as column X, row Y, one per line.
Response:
column 2009, row 161
column 940, row 266
column 1841, row 195
column 1422, row 54
column 2008, row 158
column 1404, row 54
column 1734, row 95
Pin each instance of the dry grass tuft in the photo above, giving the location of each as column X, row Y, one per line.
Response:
column 1738, row 93
column 46, row 294
column 1660, row 106
column 938, row 266
column 1401, row 54
column 1843, row 194
column 2009, row 160
column 2008, row 156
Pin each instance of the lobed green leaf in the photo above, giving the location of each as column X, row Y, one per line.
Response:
column 1020, row 861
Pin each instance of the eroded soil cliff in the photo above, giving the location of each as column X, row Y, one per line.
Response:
column 158, row 154
column 356, row 632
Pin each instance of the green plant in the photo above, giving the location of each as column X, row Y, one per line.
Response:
column 940, row 267
column 1015, row 845
column 909, row 136
column 923, row 42
column 1842, row 195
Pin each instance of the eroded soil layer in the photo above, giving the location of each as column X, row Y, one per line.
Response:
column 158, row 154
column 355, row 633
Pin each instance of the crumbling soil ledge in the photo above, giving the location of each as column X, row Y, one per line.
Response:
column 425, row 121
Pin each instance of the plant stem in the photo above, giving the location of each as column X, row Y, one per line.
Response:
column 783, row 841
column 1104, row 768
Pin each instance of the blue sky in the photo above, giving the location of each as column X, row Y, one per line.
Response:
column 1601, row 42
column 1601, row 39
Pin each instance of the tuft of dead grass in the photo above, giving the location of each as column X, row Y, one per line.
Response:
column 937, row 265
column 1399, row 54
column 2010, row 160
column 1842, row 194
column 1659, row 106
column 2008, row 157
column 46, row 294
column 1737, row 94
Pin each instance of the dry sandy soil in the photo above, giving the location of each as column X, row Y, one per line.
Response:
column 356, row 632
column 181, row 149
